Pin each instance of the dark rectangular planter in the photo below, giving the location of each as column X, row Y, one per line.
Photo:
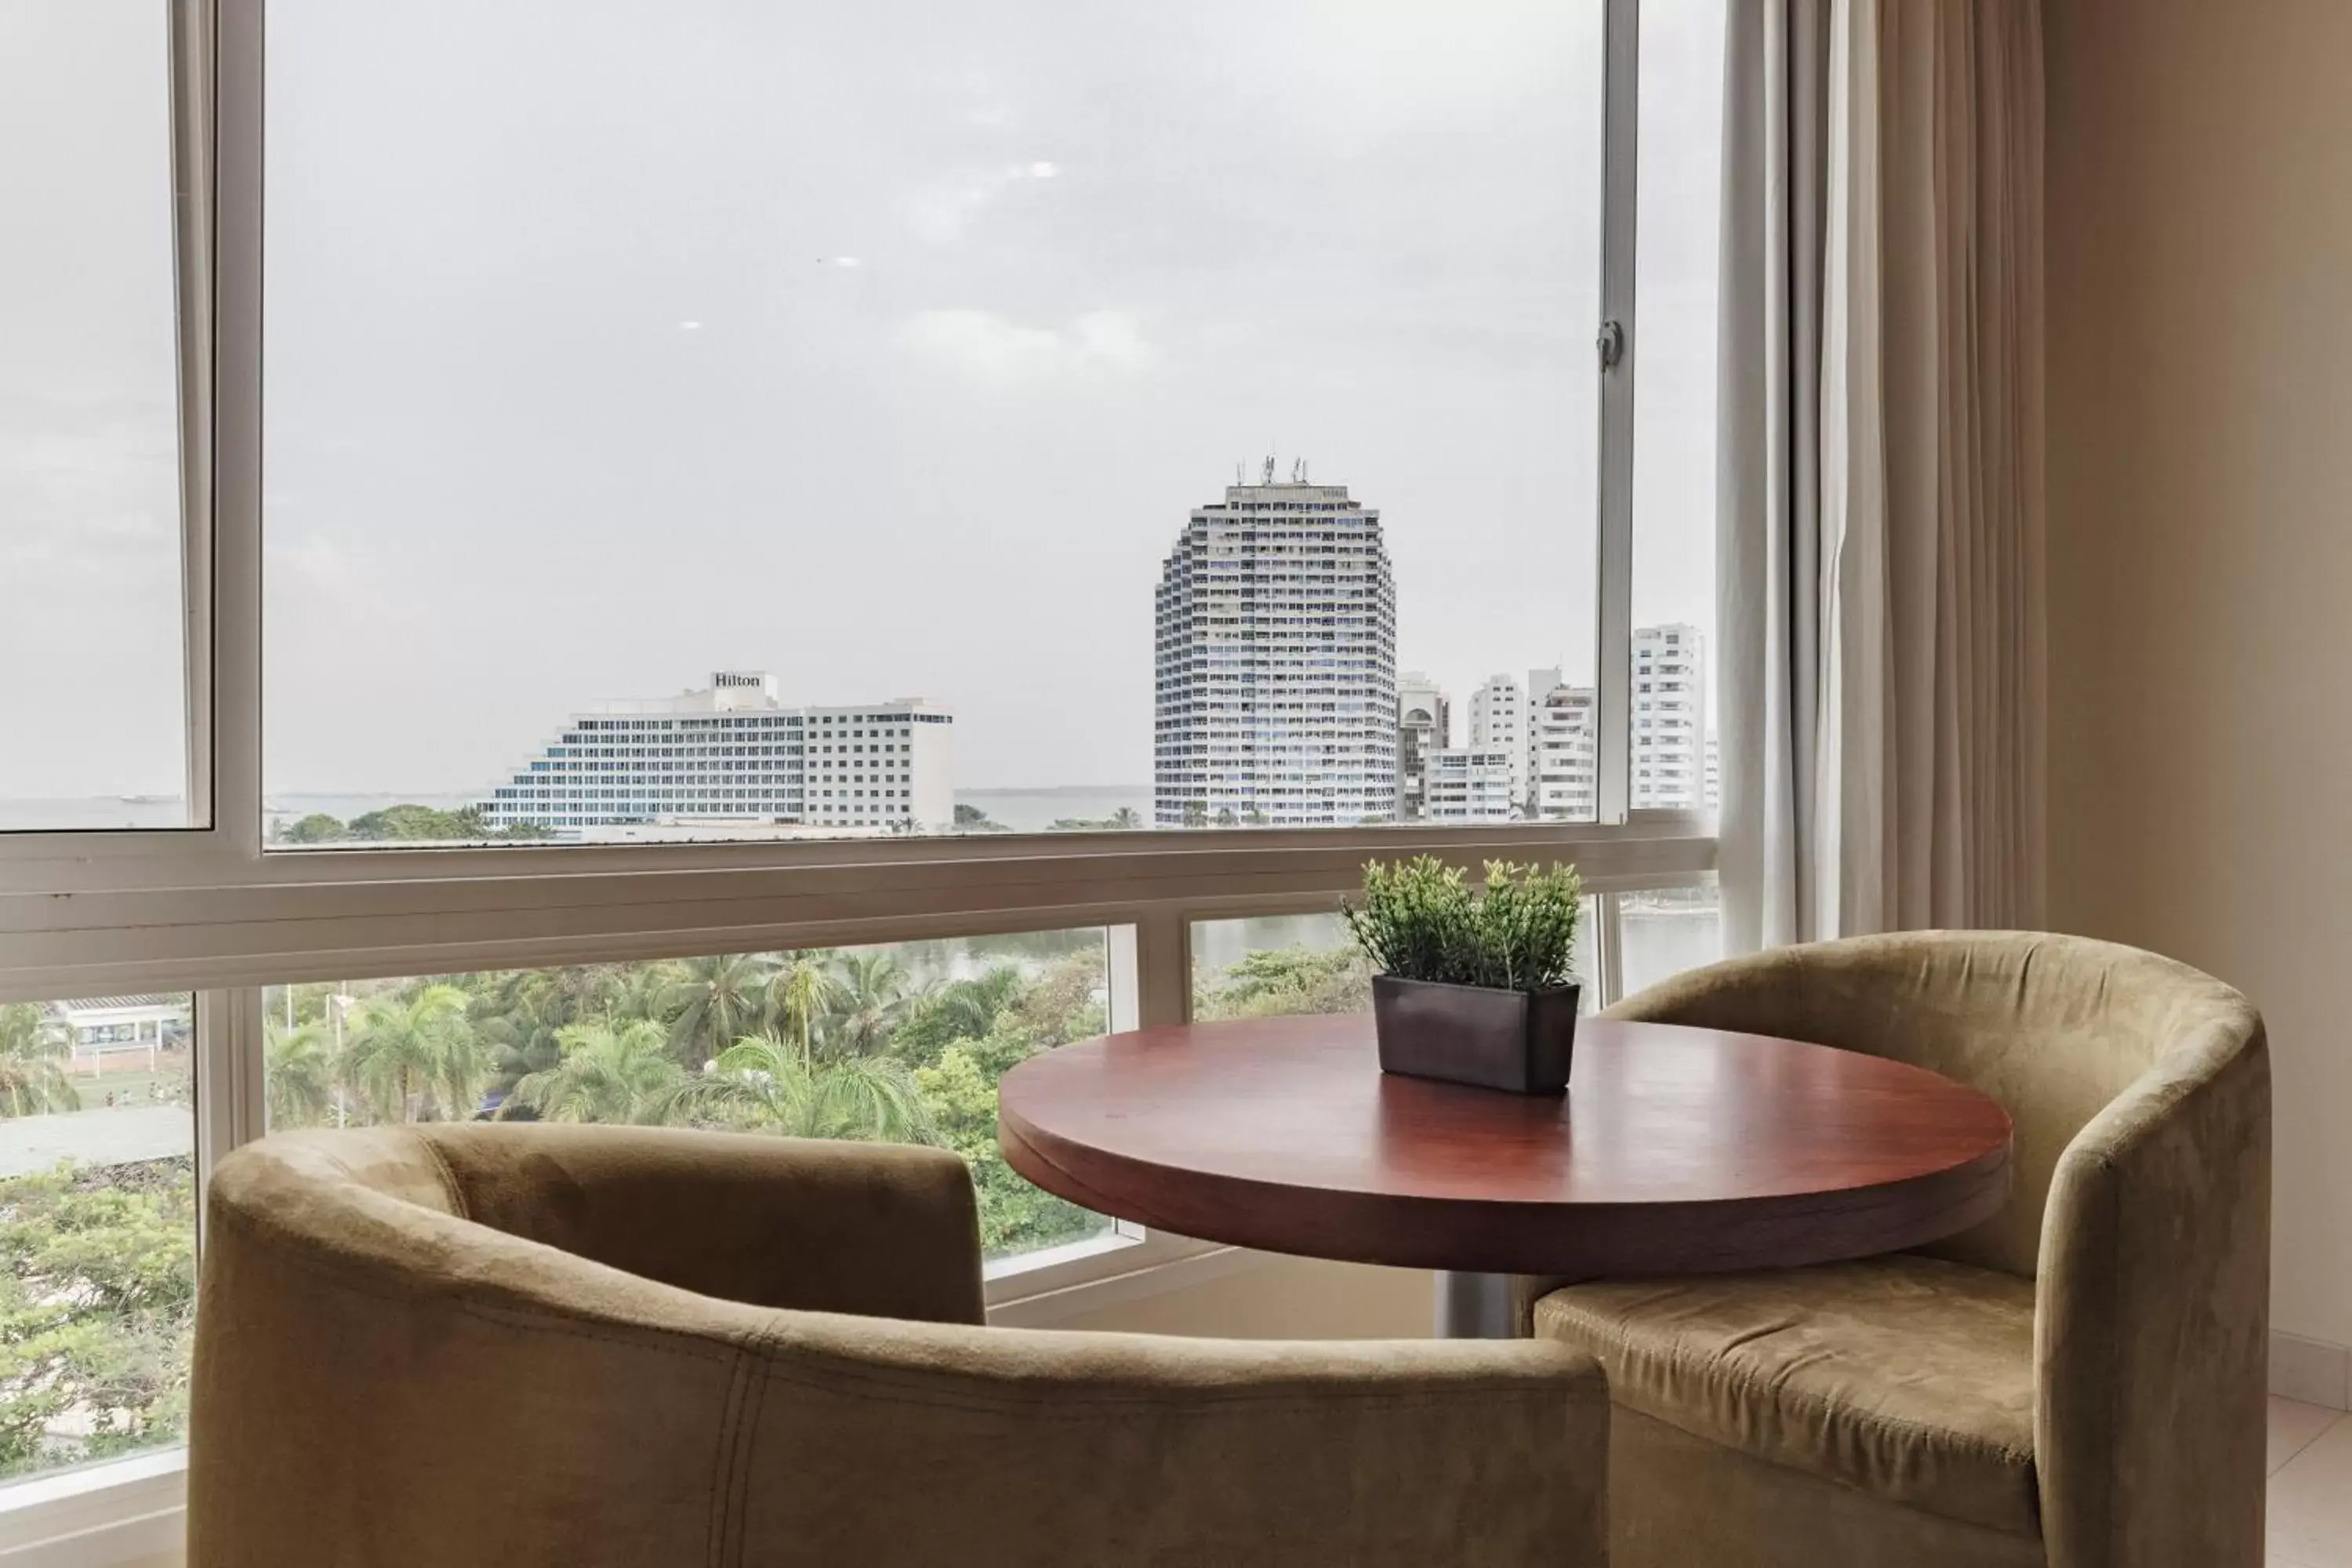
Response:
column 1517, row 1040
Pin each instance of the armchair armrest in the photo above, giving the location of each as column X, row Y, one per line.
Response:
column 2152, row 1326
column 923, row 1445
column 812, row 1226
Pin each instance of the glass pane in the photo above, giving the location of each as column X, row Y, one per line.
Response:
column 1673, row 753
column 1270, row 966
column 93, row 658
column 899, row 1044
column 1667, row 930
column 783, row 421
column 98, row 1224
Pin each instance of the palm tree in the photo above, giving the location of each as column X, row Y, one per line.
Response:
column 521, row 1023
column 801, row 990
column 714, row 1001
column 762, row 1084
column 970, row 1007
column 875, row 994
column 405, row 1050
column 1125, row 817
column 463, row 1070
column 612, row 1071
column 297, row 1077
column 33, row 1082
column 642, row 990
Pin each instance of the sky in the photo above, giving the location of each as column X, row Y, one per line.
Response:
column 885, row 347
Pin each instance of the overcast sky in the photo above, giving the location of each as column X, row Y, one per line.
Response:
column 885, row 347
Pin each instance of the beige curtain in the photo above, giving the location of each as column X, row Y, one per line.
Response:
column 1881, row 513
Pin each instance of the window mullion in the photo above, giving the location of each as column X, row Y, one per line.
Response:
column 1621, row 120
column 192, row 231
column 230, row 1109
column 1609, row 954
column 1163, row 944
column 235, row 423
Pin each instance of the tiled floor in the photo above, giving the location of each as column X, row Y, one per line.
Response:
column 2310, row 1487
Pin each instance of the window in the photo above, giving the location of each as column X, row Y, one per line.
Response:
column 902, row 1043
column 97, row 1224
column 1042, row 279
column 93, row 664
column 510, row 510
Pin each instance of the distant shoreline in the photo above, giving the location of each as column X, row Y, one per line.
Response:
column 1023, row 810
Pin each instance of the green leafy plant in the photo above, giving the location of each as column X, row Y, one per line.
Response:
column 1421, row 920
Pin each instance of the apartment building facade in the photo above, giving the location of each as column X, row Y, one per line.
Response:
column 1424, row 724
column 732, row 753
column 1275, row 644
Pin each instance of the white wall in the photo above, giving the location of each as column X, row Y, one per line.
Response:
column 2200, row 521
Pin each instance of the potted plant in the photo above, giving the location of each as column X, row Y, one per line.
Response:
column 1472, row 986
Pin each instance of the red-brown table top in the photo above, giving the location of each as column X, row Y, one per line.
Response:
column 1677, row 1149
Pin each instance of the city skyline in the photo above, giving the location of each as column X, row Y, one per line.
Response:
column 1277, row 701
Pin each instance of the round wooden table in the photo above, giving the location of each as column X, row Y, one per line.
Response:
column 1675, row 1151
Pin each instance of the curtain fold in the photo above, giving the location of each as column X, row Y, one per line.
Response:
column 1880, row 462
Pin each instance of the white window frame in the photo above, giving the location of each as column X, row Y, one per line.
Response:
column 208, row 909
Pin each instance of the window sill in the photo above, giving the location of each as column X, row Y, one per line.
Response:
column 98, row 1515
column 1049, row 1304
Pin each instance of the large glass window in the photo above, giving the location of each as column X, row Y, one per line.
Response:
column 98, row 1227
column 93, row 661
column 717, row 420
column 703, row 420
column 902, row 1043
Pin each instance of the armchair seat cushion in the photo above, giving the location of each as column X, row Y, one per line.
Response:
column 1909, row 1377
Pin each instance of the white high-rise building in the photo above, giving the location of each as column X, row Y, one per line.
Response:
column 732, row 754
column 1541, row 684
column 1670, row 719
column 1275, row 698
column 1424, row 724
column 1499, row 722
column 1471, row 784
column 1567, row 754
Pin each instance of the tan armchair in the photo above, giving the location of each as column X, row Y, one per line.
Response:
column 2078, row 1381
column 482, row 1346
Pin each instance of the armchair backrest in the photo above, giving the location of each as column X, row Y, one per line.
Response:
column 2057, row 1028
column 477, row 1346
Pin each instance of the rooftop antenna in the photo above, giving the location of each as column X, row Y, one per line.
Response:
column 1269, row 468
column 1297, row 470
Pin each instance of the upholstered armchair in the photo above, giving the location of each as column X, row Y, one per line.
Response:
column 492, row 1346
column 2078, row 1381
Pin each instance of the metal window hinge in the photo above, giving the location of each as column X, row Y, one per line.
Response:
column 1611, row 344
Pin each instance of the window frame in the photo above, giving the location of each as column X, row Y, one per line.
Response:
column 210, row 909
